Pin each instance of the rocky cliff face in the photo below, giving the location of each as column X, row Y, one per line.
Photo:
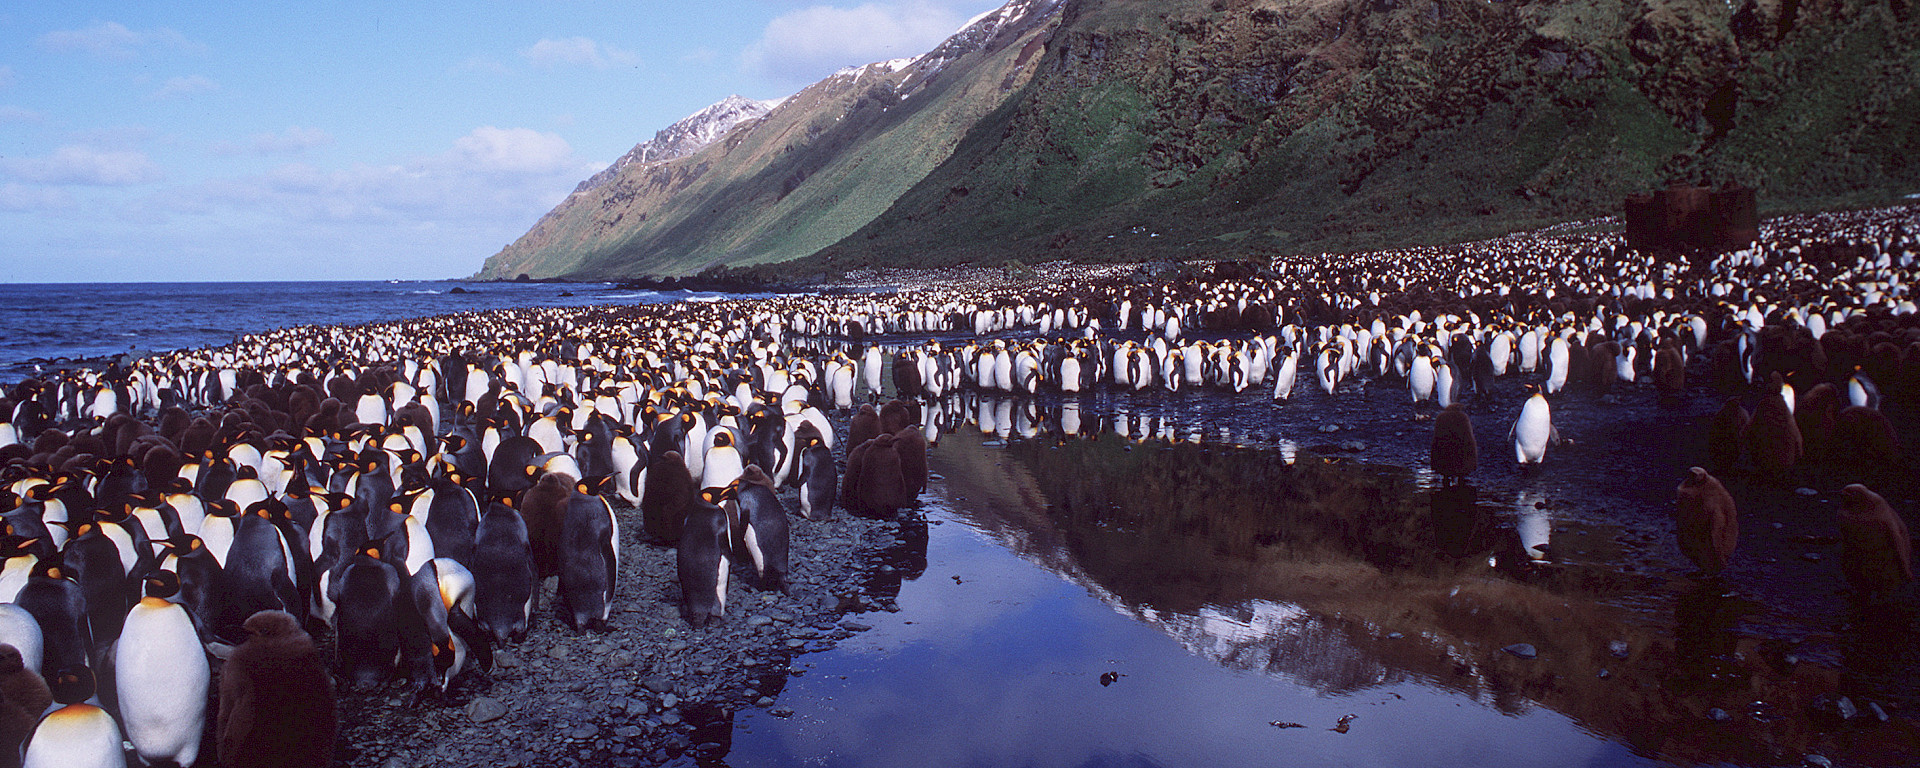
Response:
column 1122, row 129
column 686, row 137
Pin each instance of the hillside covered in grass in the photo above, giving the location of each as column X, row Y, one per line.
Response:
column 1140, row 129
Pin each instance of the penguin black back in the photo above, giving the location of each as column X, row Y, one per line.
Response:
column 503, row 572
column 589, row 555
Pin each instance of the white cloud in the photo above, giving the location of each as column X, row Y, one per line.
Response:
column 21, row 197
column 579, row 52
column 489, row 176
column 113, row 40
column 84, row 166
column 809, row 43
column 514, row 150
column 184, row 86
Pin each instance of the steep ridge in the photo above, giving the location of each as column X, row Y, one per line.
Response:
column 689, row 135
column 1136, row 129
column 1240, row 127
column 824, row 162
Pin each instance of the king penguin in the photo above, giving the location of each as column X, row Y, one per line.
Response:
column 161, row 673
column 78, row 734
column 1534, row 429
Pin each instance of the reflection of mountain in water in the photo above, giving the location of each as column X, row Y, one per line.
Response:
column 1340, row 576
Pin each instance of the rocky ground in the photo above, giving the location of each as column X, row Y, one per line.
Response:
column 650, row 690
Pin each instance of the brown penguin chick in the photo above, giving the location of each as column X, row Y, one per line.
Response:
column 864, row 426
column 1705, row 521
column 1863, row 435
column 665, row 497
column 543, row 506
column 911, row 444
column 850, row 498
column 1669, row 372
column 1814, row 413
column 23, row 697
column 1602, row 372
column 883, row 487
column 1876, row 553
column 1726, row 434
column 1454, row 454
column 896, row 415
column 1773, row 439
column 276, row 699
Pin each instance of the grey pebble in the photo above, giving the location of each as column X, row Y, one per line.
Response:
column 1522, row 650
column 485, row 710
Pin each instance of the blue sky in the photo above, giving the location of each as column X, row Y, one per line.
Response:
column 150, row 141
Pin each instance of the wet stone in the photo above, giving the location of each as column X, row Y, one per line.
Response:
column 485, row 710
column 1719, row 715
column 1618, row 648
column 1522, row 650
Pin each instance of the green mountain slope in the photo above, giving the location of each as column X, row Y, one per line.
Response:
column 1225, row 128
column 1131, row 129
column 822, row 164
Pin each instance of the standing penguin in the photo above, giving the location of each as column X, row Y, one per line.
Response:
column 1454, row 454
column 589, row 550
column 78, row 734
column 1533, row 430
column 911, row 445
column 503, row 573
column 23, row 697
column 542, row 508
column 1773, row 438
column 1705, row 521
column 1876, row 552
column 760, row 529
column 818, row 480
column 864, row 426
column 58, row 604
column 665, row 498
column 366, row 619
column 702, row 558
column 161, row 673
column 724, row 462
column 1726, row 434
column 276, row 699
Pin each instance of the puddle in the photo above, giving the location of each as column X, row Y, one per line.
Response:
column 1244, row 580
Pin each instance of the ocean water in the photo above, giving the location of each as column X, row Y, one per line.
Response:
column 51, row 325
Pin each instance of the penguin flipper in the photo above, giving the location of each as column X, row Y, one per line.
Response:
column 479, row 642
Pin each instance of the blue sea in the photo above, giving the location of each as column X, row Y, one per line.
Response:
column 51, row 325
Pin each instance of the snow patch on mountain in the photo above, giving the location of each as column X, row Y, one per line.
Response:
column 689, row 135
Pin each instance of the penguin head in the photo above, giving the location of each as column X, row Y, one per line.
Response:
column 72, row 685
column 274, row 624
column 161, row 584
column 722, row 439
